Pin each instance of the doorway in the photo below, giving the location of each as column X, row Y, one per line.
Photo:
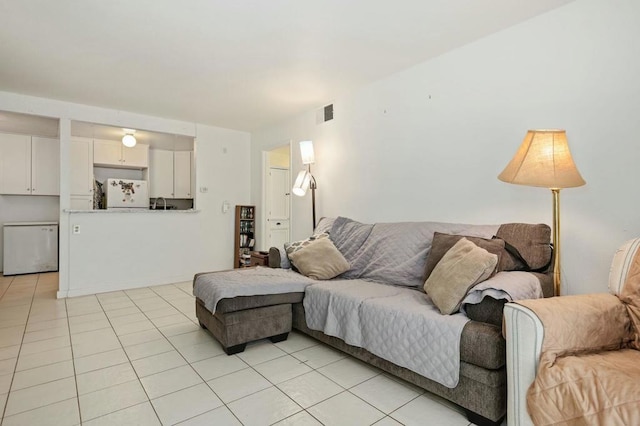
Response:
column 277, row 197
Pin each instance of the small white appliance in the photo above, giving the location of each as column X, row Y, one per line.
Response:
column 127, row 193
column 30, row 247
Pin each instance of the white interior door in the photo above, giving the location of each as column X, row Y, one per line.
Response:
column 278, row 195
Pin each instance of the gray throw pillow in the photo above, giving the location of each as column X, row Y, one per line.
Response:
column 462, row 267
column 442, row 243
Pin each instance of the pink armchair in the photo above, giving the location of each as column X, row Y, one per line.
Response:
column 575, row 360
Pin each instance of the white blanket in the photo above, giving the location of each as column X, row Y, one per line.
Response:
column 512, row 285
column 398, row 324
column 215, row 286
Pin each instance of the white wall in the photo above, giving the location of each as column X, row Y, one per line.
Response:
column 115, row 251
column 429, row 142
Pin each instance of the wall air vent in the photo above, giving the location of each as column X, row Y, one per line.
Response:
column 328, row 112
column 324, row 114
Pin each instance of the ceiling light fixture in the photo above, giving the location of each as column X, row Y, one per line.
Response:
column 128, row 139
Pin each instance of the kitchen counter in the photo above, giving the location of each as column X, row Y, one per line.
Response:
column 135, row 211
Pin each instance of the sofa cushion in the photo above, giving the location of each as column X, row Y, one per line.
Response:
column 319, row 259
column 393, row 253
column 463, row 266
column 349, row 236
column 531, row 241
column 443, row 242
column 240, row 303
column 324, row 225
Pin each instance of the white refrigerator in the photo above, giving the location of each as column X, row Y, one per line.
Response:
column 30, row 247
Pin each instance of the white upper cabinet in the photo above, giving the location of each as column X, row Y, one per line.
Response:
column 170, row 174
column 137, row 157
column 81, row 167
column 182, row 174
column 81, row 173
column 160, row 173
column 15, row 164
column 45, row 166
column 114, row 154
column 29, row 165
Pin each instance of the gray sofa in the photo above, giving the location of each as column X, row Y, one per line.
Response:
column 481, row 387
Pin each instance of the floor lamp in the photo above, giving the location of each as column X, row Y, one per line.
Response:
column 305, row 179
column 544, row 160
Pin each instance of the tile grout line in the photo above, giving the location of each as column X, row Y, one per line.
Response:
column 73, row 360
column 13, row 375
column 224, row 404
column 129, row 359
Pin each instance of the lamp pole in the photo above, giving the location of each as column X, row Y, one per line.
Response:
column 556, row 241
column 313, row 187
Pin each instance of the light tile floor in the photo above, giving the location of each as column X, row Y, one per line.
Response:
column 138, row 357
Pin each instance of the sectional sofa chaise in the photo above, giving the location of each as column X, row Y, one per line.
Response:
column 377, row 310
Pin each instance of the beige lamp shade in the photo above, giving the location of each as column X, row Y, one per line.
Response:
column 543, row 160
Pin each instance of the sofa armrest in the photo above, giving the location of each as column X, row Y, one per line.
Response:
column 582, row 323
column 524, row 332
column 556, row 326
column 274, row 258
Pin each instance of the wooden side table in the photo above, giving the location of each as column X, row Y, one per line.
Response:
column 259, row 259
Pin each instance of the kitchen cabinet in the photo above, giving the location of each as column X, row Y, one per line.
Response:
column 29, row 165
column 81, row 202
column 160, row 173
column 170, row 174
column 114, row 154
column 81, row 167
column 182, row 174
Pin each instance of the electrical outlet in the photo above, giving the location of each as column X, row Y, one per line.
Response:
column 204, row 189
column 76, row 229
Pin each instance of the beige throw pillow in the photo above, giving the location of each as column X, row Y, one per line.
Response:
column 320, row 260
column 462, row 267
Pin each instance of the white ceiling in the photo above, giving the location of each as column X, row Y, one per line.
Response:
column 241, row 64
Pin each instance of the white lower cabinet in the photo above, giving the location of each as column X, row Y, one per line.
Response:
column 81, row 202
column 29, row 165
column 278, row 232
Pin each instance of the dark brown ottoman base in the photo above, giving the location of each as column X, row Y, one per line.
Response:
column 235, row 329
